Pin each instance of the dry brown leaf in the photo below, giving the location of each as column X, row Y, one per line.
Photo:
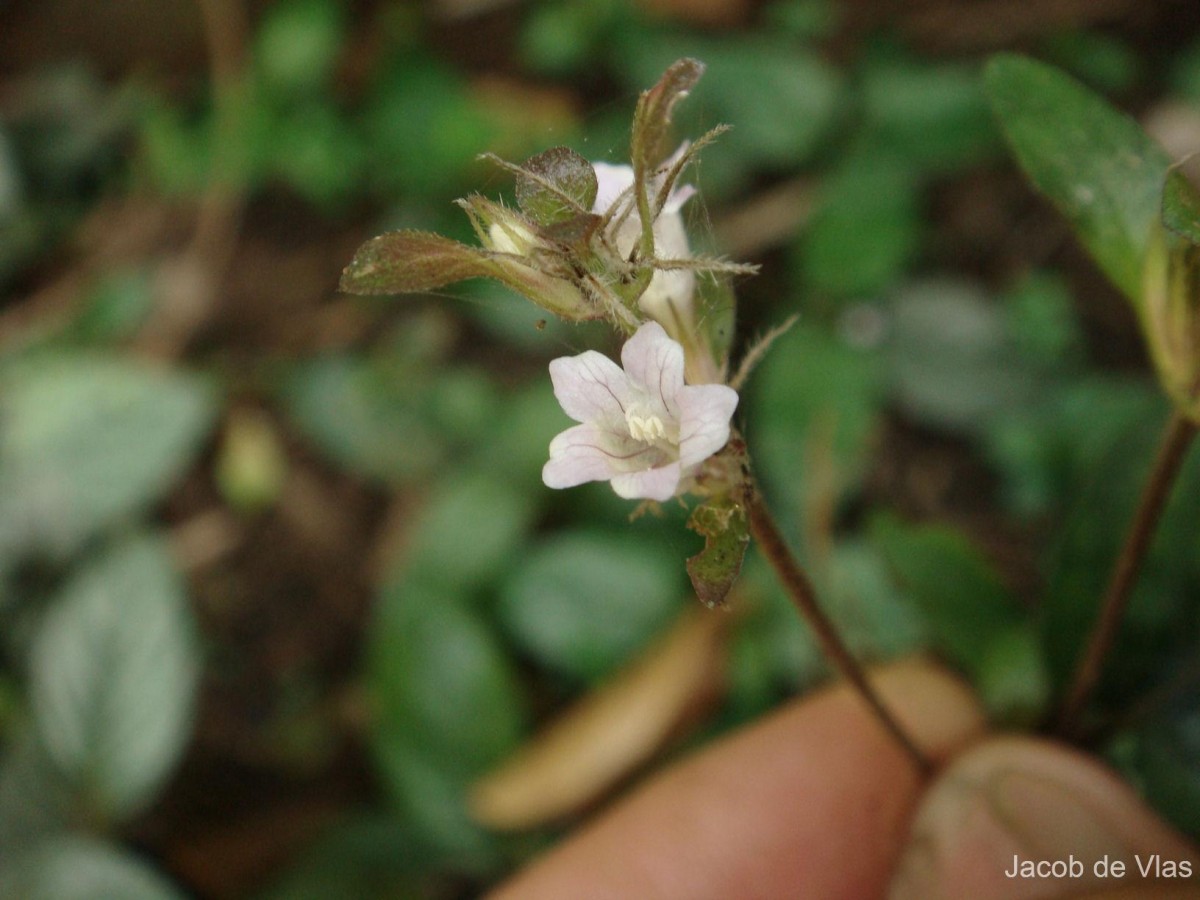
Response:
column 609, row 733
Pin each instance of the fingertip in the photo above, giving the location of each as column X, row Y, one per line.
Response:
column 814, row 800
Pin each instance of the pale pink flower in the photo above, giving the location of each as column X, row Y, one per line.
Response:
column 640, row 427
column 669, row 289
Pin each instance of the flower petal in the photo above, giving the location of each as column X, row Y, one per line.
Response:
column 588, row 453
column 650, row 484
column 670, row 239
column 678, row 196
column 611, row 182
column 654, row 362
column 591, row 387
column 577, row 455
column 668, row 297
column 705, row 411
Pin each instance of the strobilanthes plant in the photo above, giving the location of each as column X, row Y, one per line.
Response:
column 598, row 241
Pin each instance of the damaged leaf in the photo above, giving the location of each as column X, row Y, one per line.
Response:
column 726, row 535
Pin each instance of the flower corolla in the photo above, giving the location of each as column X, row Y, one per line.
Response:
column 669, row 294
column 641, row 428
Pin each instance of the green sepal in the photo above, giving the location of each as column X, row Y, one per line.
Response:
column 726, row 534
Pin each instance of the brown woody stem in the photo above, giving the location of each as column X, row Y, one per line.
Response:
column 800, row 589
column 1176, row 439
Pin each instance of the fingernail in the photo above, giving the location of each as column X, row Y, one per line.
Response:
column 1053, row 820
column 1014, row 801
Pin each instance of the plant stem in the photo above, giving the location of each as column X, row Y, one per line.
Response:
column 1176, row 439
column 800, row 589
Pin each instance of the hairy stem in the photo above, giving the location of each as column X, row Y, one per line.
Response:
column 1176, row 439
column 800, row 589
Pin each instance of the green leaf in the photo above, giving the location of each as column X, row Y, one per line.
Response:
column 777, row 648
column 1041, row 320
column 113, row 675
column 964, row 601
column 86, row 441
column 519, row 444
column 780, row 99
column 365, row 854
column 953, row 362
column 423, row 128
column 441, row 680
column 429, row 794
column 1013, row 680
column 865, row 230
column 470, row 528
column 298, row 44
column 1096, row 164
column 561, row 38
column 869, row 609
column 816, row 400
column 804, row 19
column 933, row 117
column 319, row 154
column 1109, row 438
column 1163, row 759
column 115, row 307
column 556, row 186
column 391, row 417
column 447, row 707
column 1106, row 62
column 81, row 868
column 726, row 536
column 582, row 603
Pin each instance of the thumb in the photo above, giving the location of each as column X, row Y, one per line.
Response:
column 1016, row 818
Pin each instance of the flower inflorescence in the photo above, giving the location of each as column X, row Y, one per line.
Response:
column 590, row 241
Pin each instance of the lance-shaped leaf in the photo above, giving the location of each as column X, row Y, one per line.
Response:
column 405, row 262
column 1096, row 164
column 556, row 186
column 401, row 262
column 715, row 568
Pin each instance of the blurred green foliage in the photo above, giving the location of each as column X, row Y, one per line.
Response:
column 500, row 602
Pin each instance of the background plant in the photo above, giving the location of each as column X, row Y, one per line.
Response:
column 319, row 521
